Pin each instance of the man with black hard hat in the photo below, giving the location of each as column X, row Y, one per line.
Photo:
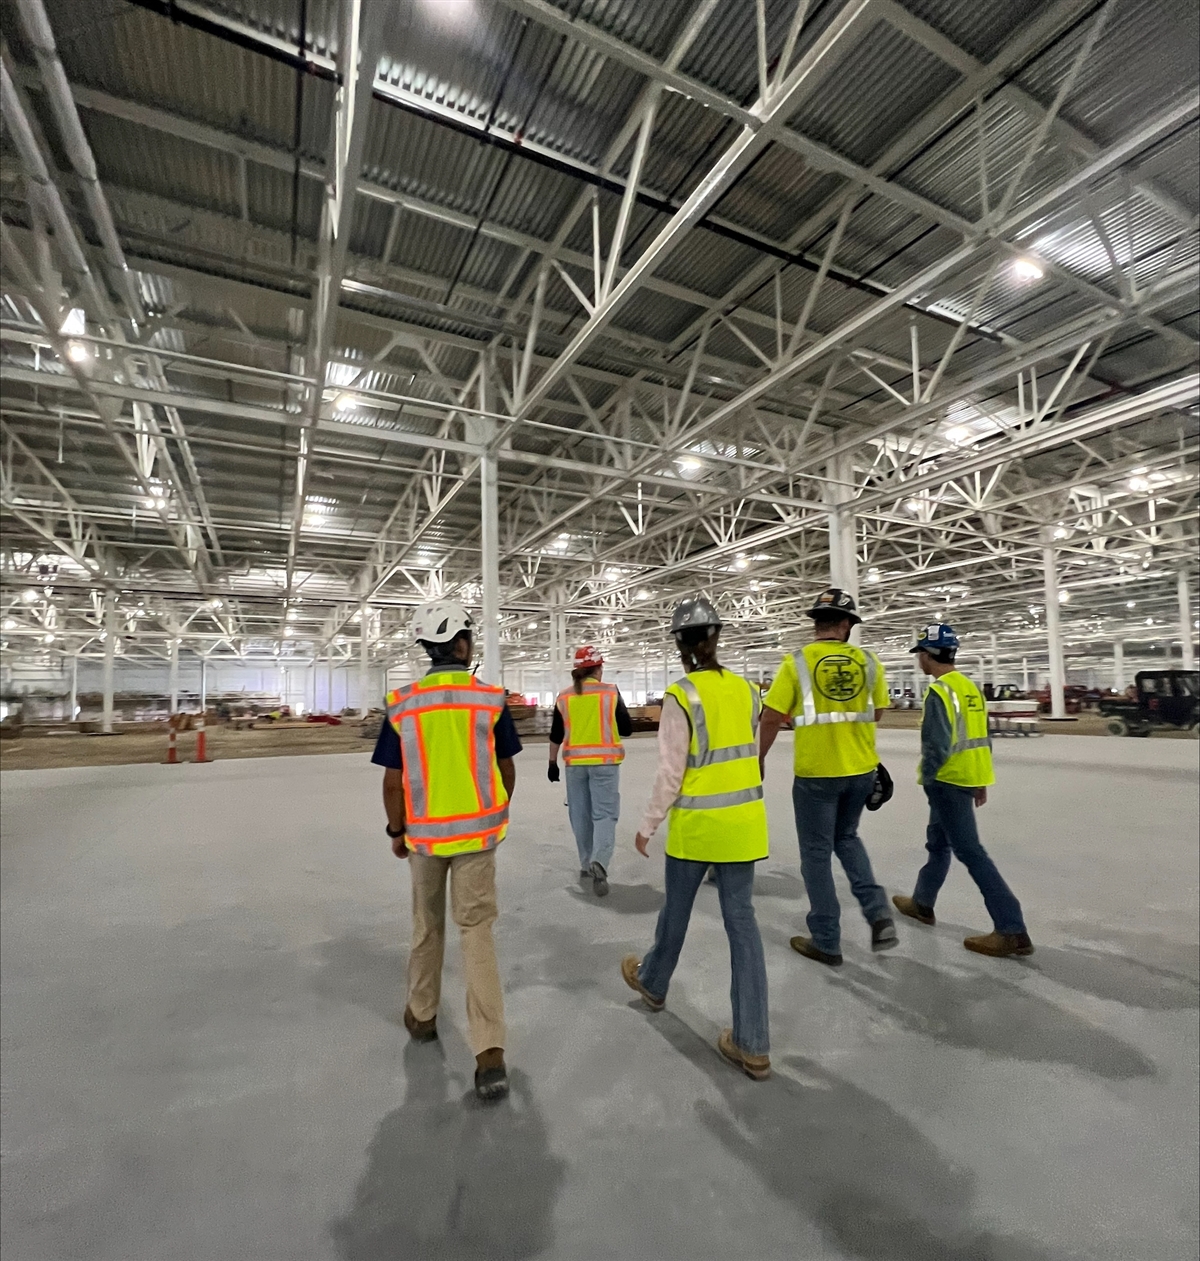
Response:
column 834, row 692
column 956, row 770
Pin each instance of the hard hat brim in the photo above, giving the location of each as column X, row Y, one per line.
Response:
column 820, row 609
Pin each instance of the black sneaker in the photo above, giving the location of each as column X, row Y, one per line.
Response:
column 599, row 881
column 804, row 946
column 883, row 935
column 491, row 1077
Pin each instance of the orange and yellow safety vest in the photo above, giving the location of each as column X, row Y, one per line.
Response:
column 590, row 725
column 454, row 800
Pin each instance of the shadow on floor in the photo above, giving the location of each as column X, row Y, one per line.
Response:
column 1156, row 951
column 364, row 972
column 450, row 1179
column 778, row 884
column 625, row 899
column 1116, row 977
column 874, row 1185
column 987, row 1013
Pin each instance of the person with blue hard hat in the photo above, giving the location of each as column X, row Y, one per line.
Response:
column 956, row 770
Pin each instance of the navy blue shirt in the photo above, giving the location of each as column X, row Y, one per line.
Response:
column 387, row 746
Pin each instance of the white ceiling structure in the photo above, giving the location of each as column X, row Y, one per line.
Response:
column 728, row 295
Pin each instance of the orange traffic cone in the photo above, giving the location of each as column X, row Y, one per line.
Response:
column 201, row 751
column 172, row 756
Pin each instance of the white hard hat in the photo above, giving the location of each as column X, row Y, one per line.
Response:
column 439, row 621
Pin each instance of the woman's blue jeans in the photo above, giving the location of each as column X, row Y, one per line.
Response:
column 748, row 991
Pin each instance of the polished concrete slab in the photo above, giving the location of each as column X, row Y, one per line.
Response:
column 202, row 1055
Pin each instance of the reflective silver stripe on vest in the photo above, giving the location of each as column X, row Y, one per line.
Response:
column 414, row 768
column 484, row 779
column 705, row 756
column 960, row 743
column 428, row 697
column 808, row 697
column 718, row 801
column 592, row 750
column 456, row 829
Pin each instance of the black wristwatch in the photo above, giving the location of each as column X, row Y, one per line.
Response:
column 398, row 832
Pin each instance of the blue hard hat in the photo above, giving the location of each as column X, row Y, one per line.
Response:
column 937, row 636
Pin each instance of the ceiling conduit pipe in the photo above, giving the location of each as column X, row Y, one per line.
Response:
column 75, row 142
column 50, row 198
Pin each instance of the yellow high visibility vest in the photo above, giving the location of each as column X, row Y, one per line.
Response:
column 719, row 815
column 834, row 713
column 454, row 800
column 590, row 725
column 970, row 762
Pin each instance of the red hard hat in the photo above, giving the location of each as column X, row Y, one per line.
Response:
column 587, row 656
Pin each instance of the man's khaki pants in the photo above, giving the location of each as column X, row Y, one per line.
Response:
column 473, row 905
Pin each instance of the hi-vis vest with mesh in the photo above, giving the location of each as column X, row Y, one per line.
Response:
column 719, row 815
column 590, row 725
column 454, row 800
column 970, row 762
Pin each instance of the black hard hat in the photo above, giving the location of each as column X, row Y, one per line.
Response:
column 882, row 789
column 695, row 611
column 835, row 601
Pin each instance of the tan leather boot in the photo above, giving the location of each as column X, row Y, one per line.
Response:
column 1000, row 945
column 629, row 970
column 757, row 1067
column 913, row 909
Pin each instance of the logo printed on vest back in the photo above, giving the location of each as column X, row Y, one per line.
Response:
column 839, row 678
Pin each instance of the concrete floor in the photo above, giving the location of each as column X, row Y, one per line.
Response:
column 203, row 976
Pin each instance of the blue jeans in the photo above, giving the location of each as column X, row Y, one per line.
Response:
column 748, row 991
column 827, row 814
column 952, row 830
column 594, row 803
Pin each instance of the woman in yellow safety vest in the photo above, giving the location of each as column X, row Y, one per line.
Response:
column 709, row 787
column 955, row 770
column 589, row 720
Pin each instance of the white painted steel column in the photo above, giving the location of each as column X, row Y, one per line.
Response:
column 173, row 677
column 203, row 683
column 329, row 682
column 364, row 660
column 481, row 430
column 1053, row 632
column 110, row 650
column 1024, row 674
column 843, row 556
column 1119, row 681
column 1186, row 642
column 74, row 702
column 995, row 663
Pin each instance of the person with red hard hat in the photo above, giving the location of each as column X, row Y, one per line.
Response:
column 589, row 721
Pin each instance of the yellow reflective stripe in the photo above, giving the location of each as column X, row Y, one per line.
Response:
column 718, row 801
column 452, row 829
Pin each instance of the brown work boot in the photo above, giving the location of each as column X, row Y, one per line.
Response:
column 629, row 970
column 805, row 947
column 491, row 1077
column 913, row 909
column 756, row 1066
column 420, row 1030
column 1000, row 945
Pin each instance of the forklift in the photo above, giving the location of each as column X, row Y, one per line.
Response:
column 1166, row 700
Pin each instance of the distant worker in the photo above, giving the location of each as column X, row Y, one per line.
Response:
column 589, row 720
column 709, row 788
column 834, row 692
column 448, row 744
column 956, row 770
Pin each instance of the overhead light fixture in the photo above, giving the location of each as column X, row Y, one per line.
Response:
column 10, row 623
column 688, row 463
column 1026, row 270
column 1062, row 532
column 47, row 639
column 741, row 563
column 1139, row 483
column 1064, row 597
column 958, row 434
column 533, row 626
column 77, row 352
column 913, row 505
column 1131, row 604
column 643, row 594
column 288, row 631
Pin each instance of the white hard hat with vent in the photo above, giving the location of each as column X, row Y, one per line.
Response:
column 439, row 621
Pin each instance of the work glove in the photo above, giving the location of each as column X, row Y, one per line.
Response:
column 553, row 774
